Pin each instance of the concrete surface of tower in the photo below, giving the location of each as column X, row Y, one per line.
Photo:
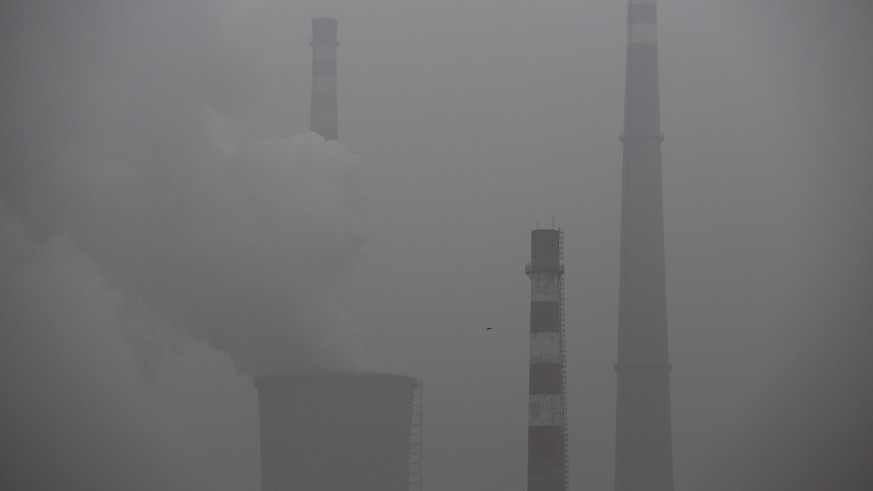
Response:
column 547, row 406
column 335, row 431
column 643, row 446
column 323, row 117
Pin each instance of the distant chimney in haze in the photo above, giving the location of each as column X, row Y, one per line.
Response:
column 643, row 439
column 323, row 111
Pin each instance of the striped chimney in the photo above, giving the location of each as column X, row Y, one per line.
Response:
column 546, row 437
column 643, row 445
column 323, row 111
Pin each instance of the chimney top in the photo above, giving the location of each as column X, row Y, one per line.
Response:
column 324, row 30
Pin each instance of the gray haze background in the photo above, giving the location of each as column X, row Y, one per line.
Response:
column 131, row 131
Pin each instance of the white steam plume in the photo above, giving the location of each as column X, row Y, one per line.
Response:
column 144, row 146
column 245, row 250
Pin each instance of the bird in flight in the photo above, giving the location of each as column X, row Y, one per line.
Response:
column 488, row 328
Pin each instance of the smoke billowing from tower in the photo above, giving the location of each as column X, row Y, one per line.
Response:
column 323, row 111
column 643, row 447
column 546, row 437
column 328, row 431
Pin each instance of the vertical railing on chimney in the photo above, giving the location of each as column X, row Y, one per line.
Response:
column 416, row 441
column 566, row 426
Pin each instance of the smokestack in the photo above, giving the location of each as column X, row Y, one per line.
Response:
column 643, row 445
column 547, row 406
column 335, row 431
column 323, row 111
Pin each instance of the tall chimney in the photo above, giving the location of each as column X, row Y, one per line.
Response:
column 335, row 431
column 323, row 111
column 643, row 446
column 547, row 407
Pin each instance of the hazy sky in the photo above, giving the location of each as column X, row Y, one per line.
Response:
column 153, row 244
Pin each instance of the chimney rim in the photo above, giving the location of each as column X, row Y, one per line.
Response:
column 285, row 377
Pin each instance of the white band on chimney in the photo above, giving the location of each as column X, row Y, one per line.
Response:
column 544, row 287
column 545, row 347
column 324, row 51
column 642, row 34
column 545, row 410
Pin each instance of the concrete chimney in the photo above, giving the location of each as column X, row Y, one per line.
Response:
column 547, row 406
column 335, row 431
column 323, row 110
column 643, row 442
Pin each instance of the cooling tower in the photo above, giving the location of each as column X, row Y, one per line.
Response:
column 335, row 431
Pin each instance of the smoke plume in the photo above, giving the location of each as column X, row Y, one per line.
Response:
column 245, row 250
column 145, row 158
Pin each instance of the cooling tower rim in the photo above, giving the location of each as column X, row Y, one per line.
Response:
column 299, row 376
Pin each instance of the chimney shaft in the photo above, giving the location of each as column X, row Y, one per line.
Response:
column 323, row 110
column 643, row 446
column 546, row 437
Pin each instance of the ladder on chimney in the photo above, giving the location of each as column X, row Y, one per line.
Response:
column 416, row 449
column 564, row 426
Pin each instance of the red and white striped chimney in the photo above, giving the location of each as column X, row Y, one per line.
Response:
column 546, row 438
